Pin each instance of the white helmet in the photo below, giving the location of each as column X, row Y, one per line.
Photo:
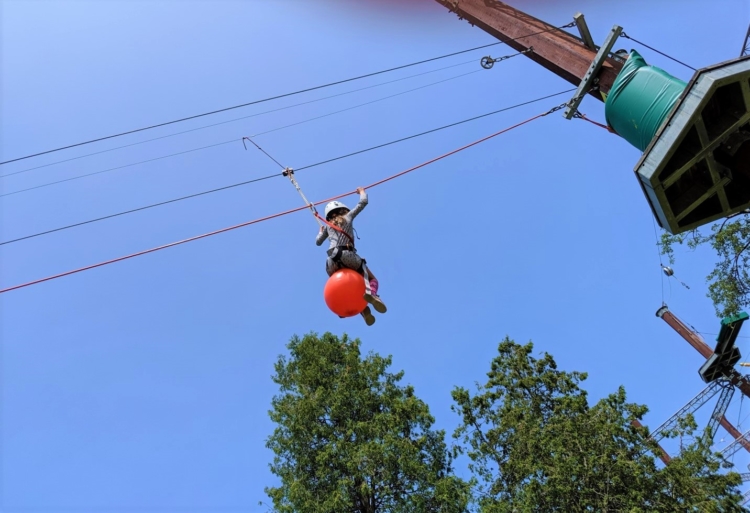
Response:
column 334, row 205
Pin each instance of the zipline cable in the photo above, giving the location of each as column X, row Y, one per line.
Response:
column 239, row 118
column 246, row 182
column 273, row 216
column 277, row 96
column 436, row 129
column 93, row 173
column 623, row 34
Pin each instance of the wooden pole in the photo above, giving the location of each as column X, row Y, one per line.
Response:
column 556, row 50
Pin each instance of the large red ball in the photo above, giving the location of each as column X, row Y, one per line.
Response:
column 344, row 293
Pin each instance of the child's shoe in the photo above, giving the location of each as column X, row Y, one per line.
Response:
column 367, row 314
column 376, row 302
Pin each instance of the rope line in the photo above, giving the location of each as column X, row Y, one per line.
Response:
column 273, row 216
column 246, row 182
column 623, row 34
column 285, row 95
column 581, row 115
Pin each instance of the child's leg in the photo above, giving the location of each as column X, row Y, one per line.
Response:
column 371, row 292
column 353, row 261
column 331, row 266
column 367, row 314
column 374, row 284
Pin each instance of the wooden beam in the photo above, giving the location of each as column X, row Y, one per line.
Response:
column 734, row 432
column 553, row 48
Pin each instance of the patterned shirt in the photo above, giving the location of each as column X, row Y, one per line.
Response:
column 337, row 238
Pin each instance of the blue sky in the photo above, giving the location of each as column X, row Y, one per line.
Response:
column 145, row 385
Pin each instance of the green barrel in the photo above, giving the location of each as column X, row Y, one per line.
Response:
column 640, row 99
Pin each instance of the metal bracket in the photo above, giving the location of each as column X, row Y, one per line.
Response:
column 583, row 29
column 596, row 65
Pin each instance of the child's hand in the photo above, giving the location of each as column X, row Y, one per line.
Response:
column 321, row 229
column 360, row 190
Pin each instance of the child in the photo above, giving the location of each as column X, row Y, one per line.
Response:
column 341, row 252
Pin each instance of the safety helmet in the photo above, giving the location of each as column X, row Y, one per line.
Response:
column 334, row 205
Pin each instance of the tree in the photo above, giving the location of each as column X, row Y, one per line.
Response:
column 729, row 281
column 535, row 444
column 349, row 438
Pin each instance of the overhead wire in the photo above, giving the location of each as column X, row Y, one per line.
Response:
column 262, row 150
column 233, row 120
column 279, row 214
column 276, row 97
column 368, row 103
column 94, row 173
column 327, row 161
column 426, row 132
column 626, row 36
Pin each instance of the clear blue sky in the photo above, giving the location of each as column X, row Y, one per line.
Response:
column 145, row 385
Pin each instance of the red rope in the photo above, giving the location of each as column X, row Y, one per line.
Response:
column 335, row 228
column 606, row 127
column 254, row 221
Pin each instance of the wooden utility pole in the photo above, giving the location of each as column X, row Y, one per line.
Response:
column 695, row 340
column 560, row 52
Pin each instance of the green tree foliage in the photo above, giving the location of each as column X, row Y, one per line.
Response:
column 535, row 444
column 350, row 438
column 729, row 281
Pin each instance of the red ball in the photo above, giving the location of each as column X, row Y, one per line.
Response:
column 344, row 293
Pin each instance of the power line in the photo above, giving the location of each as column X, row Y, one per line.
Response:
column 266, row 218
column 371, row 148
column 275, row 97
column 239, row 118
column 19, row 191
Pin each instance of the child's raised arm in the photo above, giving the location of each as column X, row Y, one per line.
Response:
column 360, row 206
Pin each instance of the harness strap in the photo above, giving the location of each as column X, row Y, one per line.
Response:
column 335, row 228
column 367, row 278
